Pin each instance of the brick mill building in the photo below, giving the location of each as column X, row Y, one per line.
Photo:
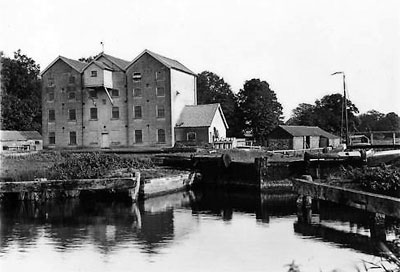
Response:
column 111, row 102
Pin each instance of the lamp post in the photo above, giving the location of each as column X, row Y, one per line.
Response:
column 344, row 110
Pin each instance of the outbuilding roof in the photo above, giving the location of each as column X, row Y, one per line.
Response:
column 13, row 135
column 307, row 131
column 199, row 115
column 74, row 64
column 170, row 63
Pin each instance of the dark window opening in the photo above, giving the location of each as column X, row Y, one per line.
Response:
column 52, row 115
column 72, row 80
column 160, row 91
column 93, row 113
column 114, row 93
column 161, row 136
column 115, row 113
column 72, row 138
column 137, row 92
column 71, row 95
column 50, row 96
column 160, row 111
column 92, row 93
column 52, row 138
column 138, row 112
column 191, row 136
column 93, row 73
column 72, row 114
column 138, row 136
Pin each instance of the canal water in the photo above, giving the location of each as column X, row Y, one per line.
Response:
column 205, row 230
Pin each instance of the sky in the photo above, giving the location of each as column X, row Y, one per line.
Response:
column 293, row 45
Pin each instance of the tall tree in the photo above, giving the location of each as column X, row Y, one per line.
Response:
column 303, row 115
column 261, row 110
column 369, row 121
column 328, row 113
column 21, row 101
column 213, row 89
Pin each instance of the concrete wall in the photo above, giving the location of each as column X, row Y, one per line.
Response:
column 183, row 92
column 60, row 74
column 106, row 131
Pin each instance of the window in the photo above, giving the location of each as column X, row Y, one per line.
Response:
column 50, row 82
column 137, row 92
column 137, row 77
column 138, row 136
column 138, row 112
column 191, row 136
column 160, row 75
column 52, row 138
column 161, row 136
column 71, row 95
column 93, row 73
column 115, row 113
column 72, row 138
column 92, row 93
column 52, row 115
column 114, row 93
column 50, row 95
column 160, row 111
column 72, row 115
column 93, row 113
column 160, row 91
column 72, row 80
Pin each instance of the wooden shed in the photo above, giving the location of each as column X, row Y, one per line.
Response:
column 20, row 141
column 300, row 137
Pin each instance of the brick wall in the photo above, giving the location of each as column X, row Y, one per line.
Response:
column 62, row 80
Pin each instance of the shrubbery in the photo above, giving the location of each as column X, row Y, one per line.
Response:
column 382, row 179
column 93, row 165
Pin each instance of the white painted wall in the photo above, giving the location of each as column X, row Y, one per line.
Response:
column 185, row 84
column 108, row 80
column 219, row 124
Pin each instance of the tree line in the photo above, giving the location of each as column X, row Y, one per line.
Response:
column 254, row 110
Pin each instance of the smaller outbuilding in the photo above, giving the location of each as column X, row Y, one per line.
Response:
column 300, row 137
column 201, row 124
column 20, row 141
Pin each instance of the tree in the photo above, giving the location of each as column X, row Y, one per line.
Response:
column 369, row 121
column 391, row 122
column 213, row 89
column 261, row 110
column 21, row 101
column 303, row 115
column 328, row 113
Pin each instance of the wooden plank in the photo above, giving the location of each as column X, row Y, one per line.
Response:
column 77, row 184
column 358, row 199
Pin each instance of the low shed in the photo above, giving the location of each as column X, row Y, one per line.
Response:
column 300, row 137
column 200, row 124
column 20, row 141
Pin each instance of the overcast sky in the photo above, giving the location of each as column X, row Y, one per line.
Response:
column 293, row 45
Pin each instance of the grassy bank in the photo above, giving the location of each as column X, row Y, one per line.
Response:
column 58, row 165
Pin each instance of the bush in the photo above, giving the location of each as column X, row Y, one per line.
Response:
column 93, row 165
column 382, row 179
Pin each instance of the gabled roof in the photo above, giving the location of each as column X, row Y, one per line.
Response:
column 170, row 63
column 102, row 65
column 307, row 131
column 199, row 115
column 120, row 63
column 13, row 135
column 74, row 64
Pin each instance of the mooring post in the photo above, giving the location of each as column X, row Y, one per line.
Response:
column 261, row 169
column 377, row 226
column 304, row 211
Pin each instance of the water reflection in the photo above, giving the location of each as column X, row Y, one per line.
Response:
column 265, row 225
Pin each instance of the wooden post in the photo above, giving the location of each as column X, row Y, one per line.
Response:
column 394, row 138
column 372, row 138
column 377, row 226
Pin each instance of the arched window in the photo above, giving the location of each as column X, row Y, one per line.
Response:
column 191, row 136
column 161, row 136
